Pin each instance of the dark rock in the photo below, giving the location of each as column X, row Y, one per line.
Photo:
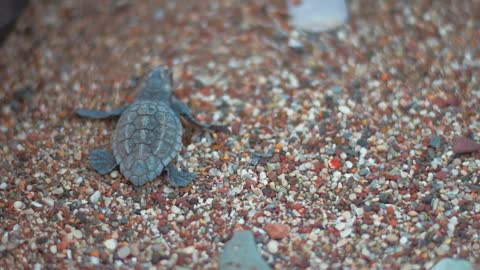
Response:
column 268, row 192
column 363, row 143
column 427, row 199
column 10, row 10
column 123, row 220
column 23, row 93
column 157, row 257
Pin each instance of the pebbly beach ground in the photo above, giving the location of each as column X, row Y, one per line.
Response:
column 340, row 154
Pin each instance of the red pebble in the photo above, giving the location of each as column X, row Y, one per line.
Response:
column 296, row 206
column 441, row 175
column 276, row 231
column 461, row 145
column 223, row 190
column 304, row 229
column 236, row 128
column 335, row 163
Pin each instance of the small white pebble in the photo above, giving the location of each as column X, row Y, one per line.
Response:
column 168, row 189
column 359, row 211
column 58, row 191
column 213, row 172
column 344, row 109
column 346, row 232
column 382, row 148
column 295, row 44
column 454, row 201
column 36, row 204
column 347, row 215
column 77, row 234
column 114, row 174
column 20, row 147
column 260, row 220
column 189, row 250
column 443, row 249
column 457, row 162
column 340, row 226
column 110, row 244
column 123, row 252
column 95, row 197
column 3, row 185
column 18, row 205
column 79, row 180
column 49, row 201
column 272, row 246
column 176, row 210
column 94, row 260
column 392, row 238
column 77, row 155
column 412, row 213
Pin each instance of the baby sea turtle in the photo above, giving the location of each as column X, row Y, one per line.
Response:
column 148, row 135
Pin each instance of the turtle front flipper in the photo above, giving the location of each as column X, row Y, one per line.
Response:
column 182, row 109
column 102, row 160
column 100, row 114
column 179, row 178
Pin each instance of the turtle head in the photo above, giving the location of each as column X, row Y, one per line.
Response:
column 157, row 85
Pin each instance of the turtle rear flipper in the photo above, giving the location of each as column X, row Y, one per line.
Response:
column 102, row 161
column 95, row 114
column 182, row 109
column 179, row 178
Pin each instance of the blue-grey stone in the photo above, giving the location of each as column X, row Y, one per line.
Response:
column 347, row 135
column 435, row 141
column 336, row 90
column 437, row 185
column 240, row 253
column 317, row 16
column 363, row 143
column 450, row 264
column 363, row 171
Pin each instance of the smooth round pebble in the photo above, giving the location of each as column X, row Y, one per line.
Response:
column 272, row 246
column 123, row 252
column 110, row 244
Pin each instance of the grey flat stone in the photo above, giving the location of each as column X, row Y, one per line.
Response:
column 450, row 264
column 240, row 253
column 435, row 141
column 317, row 16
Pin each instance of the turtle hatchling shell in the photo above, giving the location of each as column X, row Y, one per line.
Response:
column 148, row 136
